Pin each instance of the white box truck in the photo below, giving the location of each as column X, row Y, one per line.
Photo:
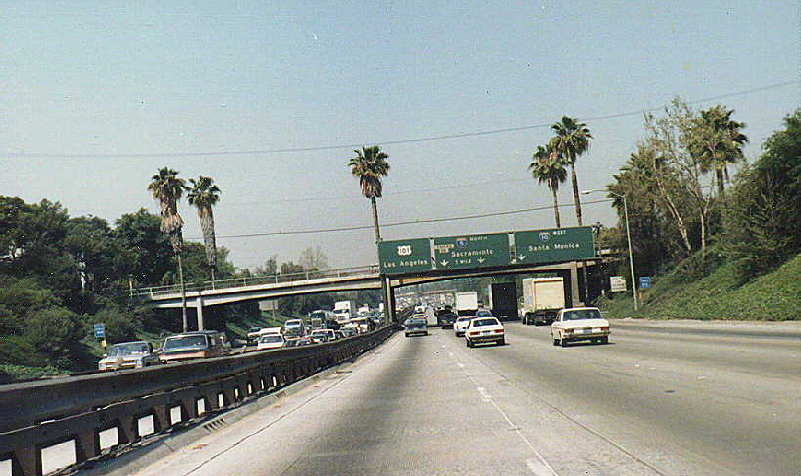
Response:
column 344, row 310
column 466, row 303
column 542, row 300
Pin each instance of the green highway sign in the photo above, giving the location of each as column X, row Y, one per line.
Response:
column 404, row 256
column 558, row 244
column 471, row 251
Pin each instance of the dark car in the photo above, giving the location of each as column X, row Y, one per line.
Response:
column 542, row 317
column 415, row 326
column 446, row 319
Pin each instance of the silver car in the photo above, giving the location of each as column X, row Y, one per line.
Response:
column 129, row 355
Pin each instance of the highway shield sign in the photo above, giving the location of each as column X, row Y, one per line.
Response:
column 404, row 256
column 554, row 245
column 471, row 251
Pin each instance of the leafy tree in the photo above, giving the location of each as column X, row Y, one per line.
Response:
column 57, row 333
column 144, row 252
column 546, row 168
column 370, row 165
column 572, row 139
column 204, row 194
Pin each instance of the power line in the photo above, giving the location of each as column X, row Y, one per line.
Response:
column 401, row 223
column 385, row 142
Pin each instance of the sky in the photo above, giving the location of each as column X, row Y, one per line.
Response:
column 96, row 96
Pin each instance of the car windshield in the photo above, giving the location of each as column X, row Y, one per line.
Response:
column 462, row 319
column 292, row 323
column 271, row 339
column 128, row 349
column 483, row 314
column 186, row 343
column 416, row 323
column 485, row 322
column 581, row 314
column 323, row 333
column 254, row 329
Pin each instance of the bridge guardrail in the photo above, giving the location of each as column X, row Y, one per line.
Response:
column 194, row 286
column 38, row 414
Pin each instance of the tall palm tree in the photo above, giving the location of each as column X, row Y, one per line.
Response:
column 370, row 165
column 204, row 194
column 546, row 167
column 572, row 139
column 167, row 188
column 716, row 141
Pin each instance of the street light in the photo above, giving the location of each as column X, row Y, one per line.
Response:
column 628, row 236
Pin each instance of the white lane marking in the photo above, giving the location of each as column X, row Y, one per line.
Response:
column 484, row 394
column 461, row 365
column 538, row 468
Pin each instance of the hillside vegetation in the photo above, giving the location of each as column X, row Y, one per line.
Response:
column 774, row 296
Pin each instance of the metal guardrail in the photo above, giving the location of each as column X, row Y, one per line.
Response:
column 193, row 286
column 35, row 415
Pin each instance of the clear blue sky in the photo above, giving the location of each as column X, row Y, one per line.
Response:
column 180, row 77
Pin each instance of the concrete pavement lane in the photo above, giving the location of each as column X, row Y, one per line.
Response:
column 650, row 403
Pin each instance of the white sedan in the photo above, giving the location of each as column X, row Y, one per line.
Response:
column 270, row 341
column 484, row 329
column 579, row 323
column 461, row 325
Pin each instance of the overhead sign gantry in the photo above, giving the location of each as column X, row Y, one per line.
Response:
column 486, row 251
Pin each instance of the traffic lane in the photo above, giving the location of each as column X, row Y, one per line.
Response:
column 396, row 413
column 661, row 410
column 785, row 330
column 753, row 355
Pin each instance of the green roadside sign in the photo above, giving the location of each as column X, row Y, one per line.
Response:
column 404, row 256
column 471, row 251
column 554, row 245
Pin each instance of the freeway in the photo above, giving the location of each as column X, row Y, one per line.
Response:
column 660, row 399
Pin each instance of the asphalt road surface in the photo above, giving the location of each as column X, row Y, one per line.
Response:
column 659, row 399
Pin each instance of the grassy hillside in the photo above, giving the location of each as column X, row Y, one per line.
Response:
column 774, row 296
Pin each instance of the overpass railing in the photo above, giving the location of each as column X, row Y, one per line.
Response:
column 40, row 414
column 192, row 286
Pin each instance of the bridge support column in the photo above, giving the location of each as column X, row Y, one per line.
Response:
column 575, row 293
column 199, row 308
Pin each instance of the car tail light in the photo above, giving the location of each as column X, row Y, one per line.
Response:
column 567, row 331
column 604, row 329
column 499, row 331
column 473, row 333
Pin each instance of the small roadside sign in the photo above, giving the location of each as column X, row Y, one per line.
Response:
column 100, row 331
column 645, row 282
column 617, row 284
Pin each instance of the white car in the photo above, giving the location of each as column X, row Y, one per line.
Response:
column 270, row 341
column 484, row 329
column 579, row 323
column 461, row 325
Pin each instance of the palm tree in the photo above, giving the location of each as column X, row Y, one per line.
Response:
column 370, row 165
column 546, row 167
column 203, row 194
column 167, row 188
column 571, row 141
column 716, row 141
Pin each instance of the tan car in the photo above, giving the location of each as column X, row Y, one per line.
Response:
column 580, row 323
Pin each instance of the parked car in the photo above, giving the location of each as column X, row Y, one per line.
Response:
column 319, row 336
column 415, row 326
column 194, row 345
column 270, row 341
column 484, row 329
column 129, row 355
column 580, row 323
column 461, row 325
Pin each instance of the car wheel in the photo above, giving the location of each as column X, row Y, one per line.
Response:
column 502, row 342
column 468, row 343
column 556, row 342
column 407, row 334
column 563, row 342
column 604, row 340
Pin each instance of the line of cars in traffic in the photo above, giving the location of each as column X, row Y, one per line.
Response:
column 569, row 325
column 210, row 343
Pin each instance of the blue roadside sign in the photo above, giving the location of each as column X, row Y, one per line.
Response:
column 100, row 331
column 645, row 282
